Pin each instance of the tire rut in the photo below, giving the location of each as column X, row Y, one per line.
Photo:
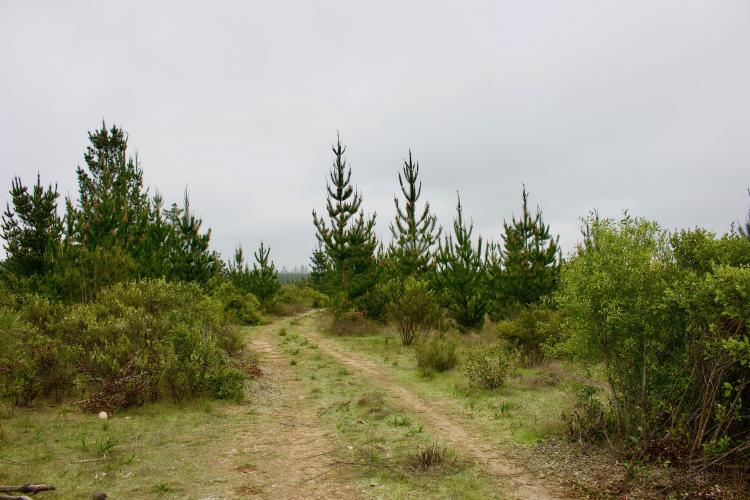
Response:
column 461, row 434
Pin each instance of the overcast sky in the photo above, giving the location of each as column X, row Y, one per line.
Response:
column 608, row 105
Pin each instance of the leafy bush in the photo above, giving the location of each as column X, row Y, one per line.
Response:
column 294, row 298
column 241, row 307
column 436, row 353
column 669, row 317
column 413, row 308
column 134, row 343
column 487, row 366
column 530, row 329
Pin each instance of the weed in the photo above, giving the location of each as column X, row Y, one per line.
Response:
column 293, row 362
column 433, row 458
column 400, row 421
column 282, row 332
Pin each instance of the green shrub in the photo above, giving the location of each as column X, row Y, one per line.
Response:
column 413, row 308
column 242, row 308
column 587, row 421
column 135, row 342
column 487, row 367
column 295, row 298
column 531, row 329
column 436, row 353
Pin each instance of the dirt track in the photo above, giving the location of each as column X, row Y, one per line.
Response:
column 452, row 428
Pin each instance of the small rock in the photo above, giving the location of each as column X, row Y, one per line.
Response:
column 103, row 415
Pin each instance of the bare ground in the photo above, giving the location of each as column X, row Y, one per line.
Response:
column 293, row 458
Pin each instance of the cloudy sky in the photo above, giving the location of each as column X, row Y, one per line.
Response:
column 605, row 105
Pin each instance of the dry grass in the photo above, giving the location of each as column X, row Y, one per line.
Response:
column 433, row 459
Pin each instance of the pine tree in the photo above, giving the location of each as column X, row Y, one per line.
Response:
column 31, row 229
column 238, row 270
column 112, row 205
column 156, row 256
column 461, row 275
column 319, row 269
column 349, row 240
column 414, row 237
column 530, row 260
column 263, row 279
column 192, row 260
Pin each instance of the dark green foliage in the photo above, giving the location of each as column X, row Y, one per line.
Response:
column 413, row 236
column 31, row 230
column 412, row 307
column 528, row 265
column 348, row 237
column 263, row 279
column 191, row 258
column 436, row 353
column 461, row 275
column 112, row 207
column 320, row 267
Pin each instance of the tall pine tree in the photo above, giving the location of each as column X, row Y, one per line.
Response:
column 347, row 236
column 461, row 275
column 413, row 236
column 529, row 262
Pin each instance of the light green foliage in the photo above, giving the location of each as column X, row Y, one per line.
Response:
column 413, row 308
column 134, row 343
column 436, row 353
column 487, row 367
column 241, row 307
column 610, row 294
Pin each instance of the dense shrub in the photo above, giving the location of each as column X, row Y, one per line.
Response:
column 241, row 307
column 487, row 367
column 413, row 308
column 531, row 329
column 436, row 353
column 136, row 342
column 294, row 298
column 669, row 318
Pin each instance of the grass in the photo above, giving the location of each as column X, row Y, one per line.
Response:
column 526, row 410
column 158, row 449
column 382, row 439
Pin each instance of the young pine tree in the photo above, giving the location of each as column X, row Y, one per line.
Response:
column 112, row 205
column 348, row 239
column 461, row 275
column 413, row 236
column 31, row 229
column 529, row 262
column 192, row 260
column 263, row 279
column 319, row 268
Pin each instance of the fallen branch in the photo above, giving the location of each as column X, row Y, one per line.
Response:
column 26, row 488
